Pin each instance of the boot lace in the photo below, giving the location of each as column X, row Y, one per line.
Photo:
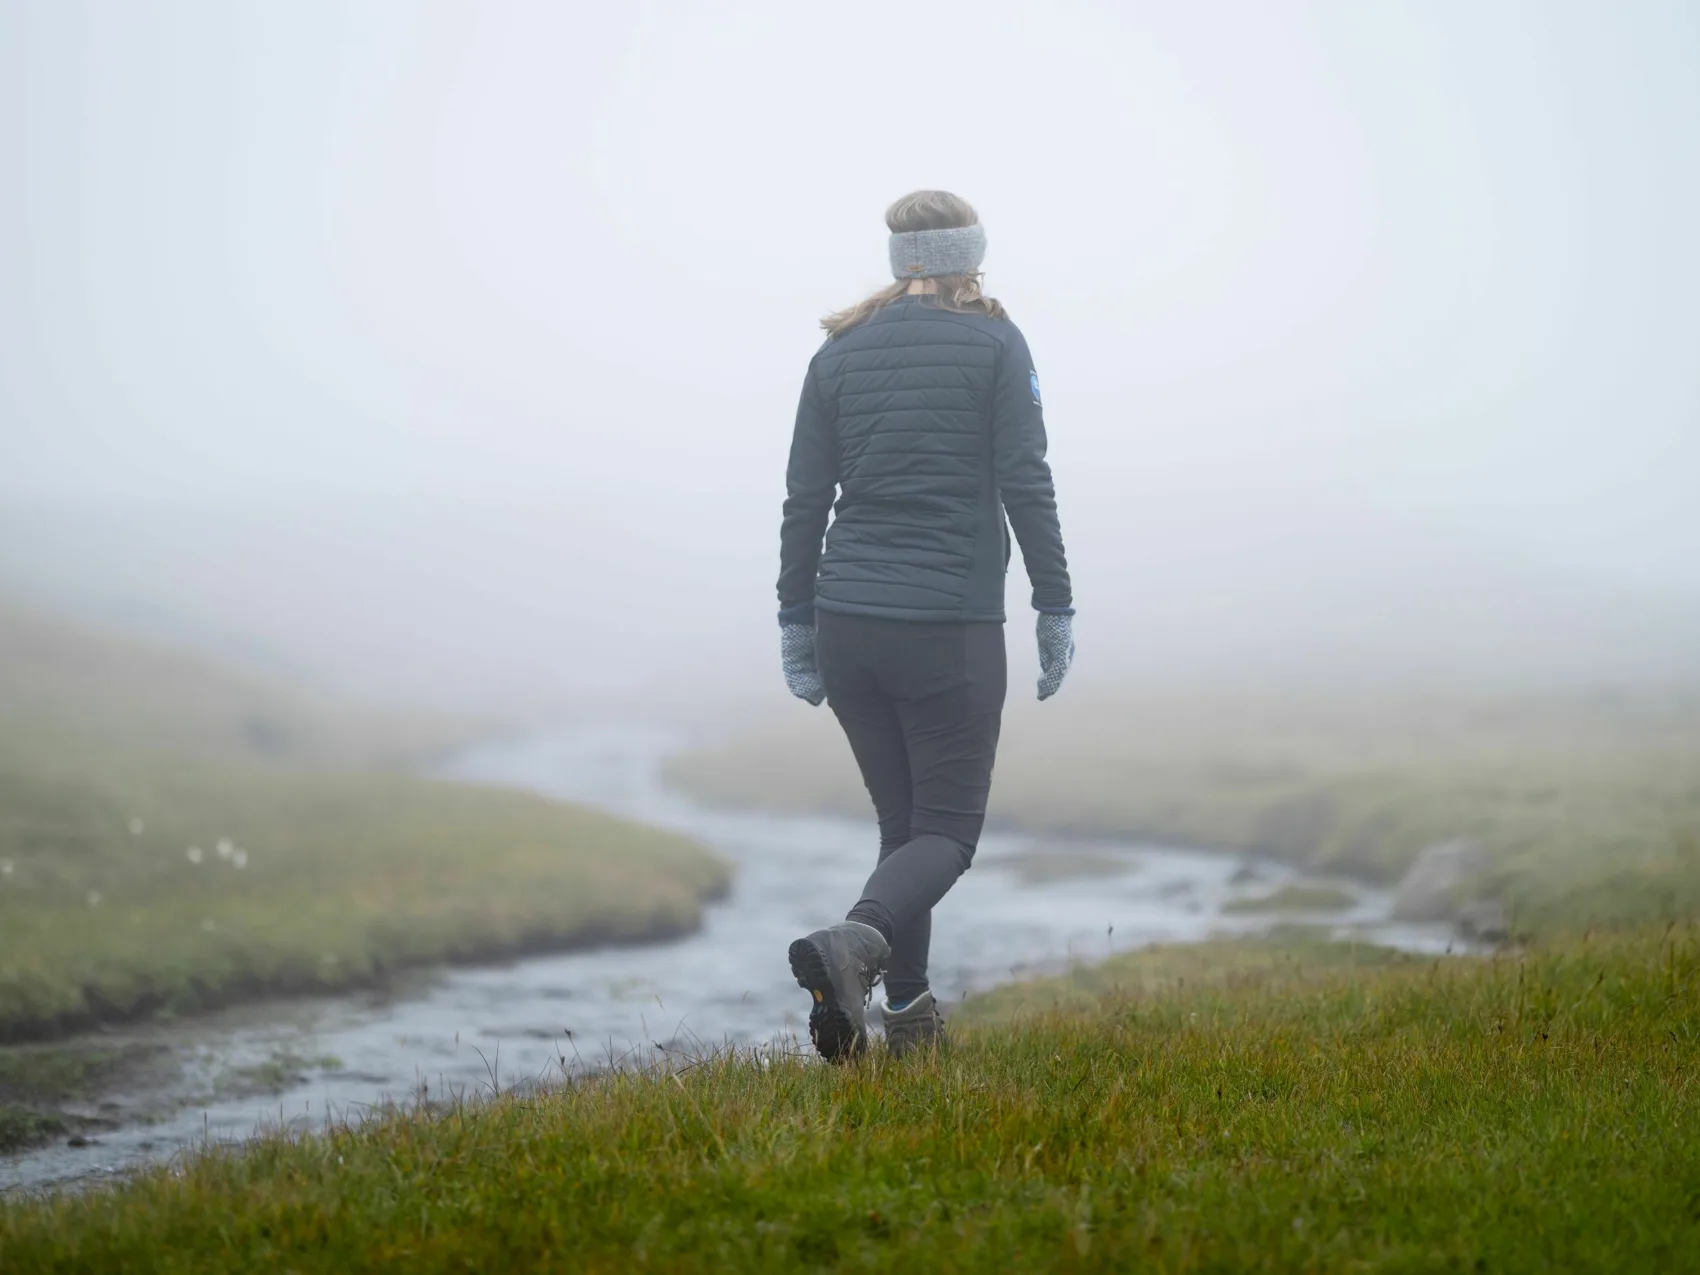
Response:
column 871, row 979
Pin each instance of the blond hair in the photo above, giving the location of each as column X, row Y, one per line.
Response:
column 924, row 210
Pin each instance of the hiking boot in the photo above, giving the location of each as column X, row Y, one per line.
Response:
column 839, row 966
column 917, row 1026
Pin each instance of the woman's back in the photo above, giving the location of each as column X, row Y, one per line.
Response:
column 918, row 532
column 928, row 421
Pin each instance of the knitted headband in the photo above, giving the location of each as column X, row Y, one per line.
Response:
column 922, row 254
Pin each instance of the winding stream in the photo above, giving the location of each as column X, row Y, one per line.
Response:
column 468, row 1030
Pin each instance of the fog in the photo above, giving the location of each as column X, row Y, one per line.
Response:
column 448, row 352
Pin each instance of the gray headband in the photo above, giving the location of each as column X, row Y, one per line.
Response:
column 922, row 254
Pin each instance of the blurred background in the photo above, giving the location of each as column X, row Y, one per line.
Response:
column 395, row 398
column 446, row 354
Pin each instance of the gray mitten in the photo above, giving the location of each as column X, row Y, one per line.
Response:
column 797, row 658
column 1056, row 651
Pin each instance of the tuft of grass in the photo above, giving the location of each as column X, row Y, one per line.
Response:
column 1258, row 1106
column 24, row 1127
column 283, row 1070
column 1299, row 897
column 37, row 1080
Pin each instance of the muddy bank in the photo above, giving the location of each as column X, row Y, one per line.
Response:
column 64, row 1091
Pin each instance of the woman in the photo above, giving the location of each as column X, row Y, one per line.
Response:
column 921, row 412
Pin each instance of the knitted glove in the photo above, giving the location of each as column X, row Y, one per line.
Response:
column 797, row 658
column 1056, row 651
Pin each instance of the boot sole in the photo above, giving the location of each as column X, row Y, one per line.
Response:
column 831, row 1026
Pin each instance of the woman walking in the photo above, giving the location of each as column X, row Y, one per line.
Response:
column 921, row 414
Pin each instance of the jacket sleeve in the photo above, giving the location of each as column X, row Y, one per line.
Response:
column 811, row 480
column 1024, row 479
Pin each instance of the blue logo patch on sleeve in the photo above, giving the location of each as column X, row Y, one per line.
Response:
column 1033, row 380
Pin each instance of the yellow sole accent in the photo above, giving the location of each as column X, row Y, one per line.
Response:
column 819, row 996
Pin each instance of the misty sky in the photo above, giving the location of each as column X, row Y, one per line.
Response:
column 503, row 307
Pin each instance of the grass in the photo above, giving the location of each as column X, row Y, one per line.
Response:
column 37, row 1081
column 1281, row 1104
column 23, row 1127
column 1294, row 898
column 1588, row 805
column 1267, row 1104
column 345, row 877
column 1288, row 959
column 281, row 1071
column 173, row 837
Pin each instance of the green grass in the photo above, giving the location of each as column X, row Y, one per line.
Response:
column 345, row 877
column 1294, row 898
column 23, row 1127
column 1588, row 805
column 1287, row 959
column 121, row 783
column 1273, row 1105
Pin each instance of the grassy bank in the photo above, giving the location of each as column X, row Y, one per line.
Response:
column 243, row 881
column 1588, row 805
column 1271, row 1105
column 173, row 837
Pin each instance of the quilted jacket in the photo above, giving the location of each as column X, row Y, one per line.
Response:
column 926, row 425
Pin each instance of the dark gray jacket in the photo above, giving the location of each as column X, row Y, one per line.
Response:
column 926, row 423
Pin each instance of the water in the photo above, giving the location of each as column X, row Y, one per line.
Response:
column 469, row 1031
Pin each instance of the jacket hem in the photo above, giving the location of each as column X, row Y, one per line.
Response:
column 924, row 615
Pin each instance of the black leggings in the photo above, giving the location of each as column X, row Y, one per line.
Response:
column 921, row 704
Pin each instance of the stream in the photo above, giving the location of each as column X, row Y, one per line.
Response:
column 1030, row 905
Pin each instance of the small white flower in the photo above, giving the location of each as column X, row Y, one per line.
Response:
column 5, row 867
column 94, row 898
column 224, row 847
column 193, row 854
column 137, row 827
column 239, row 857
